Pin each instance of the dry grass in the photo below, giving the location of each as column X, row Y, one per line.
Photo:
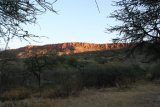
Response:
column 15, row 94
column 147, row 95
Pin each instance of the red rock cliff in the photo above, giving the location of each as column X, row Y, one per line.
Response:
column 65, row 48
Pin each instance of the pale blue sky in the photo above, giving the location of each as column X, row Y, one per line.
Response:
column 77, row 21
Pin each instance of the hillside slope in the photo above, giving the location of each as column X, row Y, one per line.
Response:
column 64, row 48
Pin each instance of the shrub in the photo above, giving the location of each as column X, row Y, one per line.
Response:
column 11, row 75
column 15, row 94
column 72, row 61
column 66, row 82
column 128, row 74
column 101, row 60
column 61, row 59
column 155, row 72
column 110, row 75
column 72, row 79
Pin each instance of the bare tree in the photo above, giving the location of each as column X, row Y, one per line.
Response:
column 36, row 65
column 140, row 23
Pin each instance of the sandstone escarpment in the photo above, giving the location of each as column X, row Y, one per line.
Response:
column 65, row 48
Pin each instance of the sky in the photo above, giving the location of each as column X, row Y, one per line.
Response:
column 76, row 21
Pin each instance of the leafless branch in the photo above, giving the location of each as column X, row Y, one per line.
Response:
column 97, row 6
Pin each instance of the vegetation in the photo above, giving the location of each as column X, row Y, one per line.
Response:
column 63, row 76
column 140, row 24
column 14, row 15
column 139, row 96
column 17, row 13
column 52, row 76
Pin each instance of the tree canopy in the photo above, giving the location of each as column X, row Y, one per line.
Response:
column 140, row 22
column 15, row 13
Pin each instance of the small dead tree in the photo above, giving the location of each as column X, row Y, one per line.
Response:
column 35, row 65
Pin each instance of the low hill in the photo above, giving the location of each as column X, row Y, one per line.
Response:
column 64, row 48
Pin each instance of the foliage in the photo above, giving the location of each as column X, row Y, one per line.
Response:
column 140, row 23
column 15, row 94
column 68, row 76
column 16, row 13
column 154, row 72
column 101, row 60
column 66, row 82
column 110, row 75
column 72, row 61
column 36, row 65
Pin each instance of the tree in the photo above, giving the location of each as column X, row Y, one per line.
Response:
column 35, row 65
column 140, row 23
column 16, row 13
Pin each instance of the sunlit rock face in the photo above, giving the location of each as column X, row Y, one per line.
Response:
column 65, row 48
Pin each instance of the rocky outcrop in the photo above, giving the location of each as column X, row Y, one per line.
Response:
column 65, row 48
